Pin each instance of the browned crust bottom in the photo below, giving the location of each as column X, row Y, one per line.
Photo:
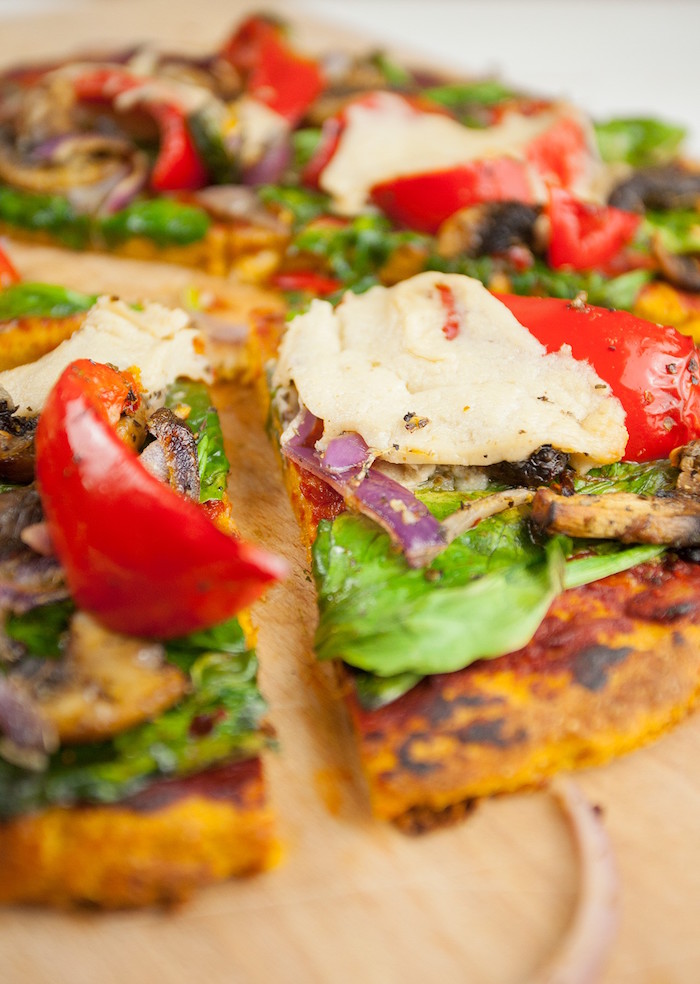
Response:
column 614, row 665
column 156, row 848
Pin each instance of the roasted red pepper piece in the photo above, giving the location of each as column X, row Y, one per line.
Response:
column 141, row 558
column 273, row 72
column 178, row 166
column 8, row 273
column 652, row 369
column 585, row 236
column 423, row 201
column 306, row 280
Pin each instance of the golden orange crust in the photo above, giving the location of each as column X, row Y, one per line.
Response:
column 27, row 339
column 614, row 664
column 155, row 849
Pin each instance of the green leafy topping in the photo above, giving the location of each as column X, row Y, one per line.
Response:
column 462, row 97
column 205, row 126
column 641, row 478
column 218, row 721
column 42, row 630
column 393, row 73
column 162, row 220
column 304, row 144
column 42, row 301
column 380, row 616
column 355, row 251
column 616, row 292
column 52, row 214
column 638, row 141
column 204, row 421
column 678, row 229
column 374, row 691
column 304, row 204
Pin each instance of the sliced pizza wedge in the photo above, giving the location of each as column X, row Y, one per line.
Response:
column 132, row 727
column 503, row 552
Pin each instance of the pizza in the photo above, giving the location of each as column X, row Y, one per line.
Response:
column 492, row 621
column 317, row 173
column 132, row 724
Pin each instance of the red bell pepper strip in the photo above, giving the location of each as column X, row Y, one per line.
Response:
column 652, row 369
column 178, row 166
column 584, row 236
column 306, row 280
column 423, row 201
column 8, row 273
column 143, row 559
column 273, row 72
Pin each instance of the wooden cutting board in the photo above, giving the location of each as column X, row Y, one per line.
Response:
column 353, row 899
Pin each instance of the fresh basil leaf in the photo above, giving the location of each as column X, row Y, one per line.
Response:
column 42, row 301
column 641, row 478
column 42, row 630
column 204, row 421
column 162, row 220
column 461, row 97
column 638, row 141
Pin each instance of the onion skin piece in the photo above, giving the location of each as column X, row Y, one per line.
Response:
column 582, row 955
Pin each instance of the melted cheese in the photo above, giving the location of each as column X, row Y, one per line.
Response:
column 161, row 343
column 386, row 138
column 382, row 365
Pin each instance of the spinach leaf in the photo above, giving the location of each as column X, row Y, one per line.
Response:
column 42, row 301
column 218, row 721
column 678, row 229
column 42, row 630
column 642, row 478
column 204, row 421
column 381, row 616
column 638, row 141
column 162, row 220
column 44, row 213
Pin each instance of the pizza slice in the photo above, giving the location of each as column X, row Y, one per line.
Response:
column 504, row 554
column 335, row 171
column 132, row 727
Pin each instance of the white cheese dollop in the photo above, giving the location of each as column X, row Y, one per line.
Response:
column 386, row 138
column 382, row 364
column 160, row 342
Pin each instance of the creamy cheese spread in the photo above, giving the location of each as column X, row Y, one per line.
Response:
column 386, row 138
column 161, row 343
column 436, row 370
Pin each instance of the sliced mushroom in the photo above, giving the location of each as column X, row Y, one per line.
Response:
column 544, row 466
column 105, row 684
column 672, row 520
column 671, row 186
column 19, row 508
column 687, row 459
column 178, row 453
column 16, row 442
column 680, row 269
column 27, row 579
column 26, row 738
column 490, row 229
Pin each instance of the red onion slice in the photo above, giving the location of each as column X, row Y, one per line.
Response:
column 347, row 467
column 269, row 168
column 582, row 954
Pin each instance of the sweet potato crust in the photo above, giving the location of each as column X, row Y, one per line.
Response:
column 155, row 849
column 614, row 665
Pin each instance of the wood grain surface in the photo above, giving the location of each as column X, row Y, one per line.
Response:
column 353, row 899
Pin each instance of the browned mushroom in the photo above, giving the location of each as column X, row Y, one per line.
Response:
column 172, row 457
column 19, row 508
column 670, row 186
column 680, row 269
column 490, row 229
column 687, row 459
column 672, row 520
column 105, row 684
column 16, row 442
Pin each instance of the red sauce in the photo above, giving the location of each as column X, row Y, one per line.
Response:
column 450, row 328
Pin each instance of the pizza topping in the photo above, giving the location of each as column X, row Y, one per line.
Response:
column 26, row 737
column 687, row 460
column 172, row 457
column 583, row 236
column 359, row 366
column 504, row 161
column 162, row 342
column 120, row 534
column 16, row 442
column 672, row 520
